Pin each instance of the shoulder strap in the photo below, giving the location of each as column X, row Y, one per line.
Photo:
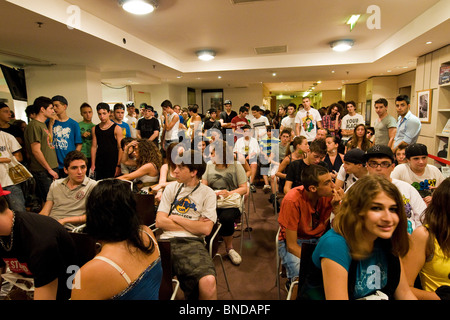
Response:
column 115, row 266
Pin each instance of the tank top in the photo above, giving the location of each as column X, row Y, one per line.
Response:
column 146, row 286
column 107, row 152
column 435, row 273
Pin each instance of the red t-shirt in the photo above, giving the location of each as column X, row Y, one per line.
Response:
column 296, row 213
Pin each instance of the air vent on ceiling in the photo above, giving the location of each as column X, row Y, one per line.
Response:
column 271, row 50
column 245, row 1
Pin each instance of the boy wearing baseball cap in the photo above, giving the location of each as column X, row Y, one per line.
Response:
column 417, row 172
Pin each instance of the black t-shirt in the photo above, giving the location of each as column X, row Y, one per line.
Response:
column 14, row 130
column 227, row 117
column 294, row 172
column 147, row 127
column 212, row 125
column 42, row 249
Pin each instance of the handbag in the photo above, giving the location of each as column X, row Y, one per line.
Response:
column 17, row 172
column 231, row 201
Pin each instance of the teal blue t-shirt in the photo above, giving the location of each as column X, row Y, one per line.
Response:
column 371, row 273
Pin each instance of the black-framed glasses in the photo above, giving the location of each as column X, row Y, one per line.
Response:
column 384, row 164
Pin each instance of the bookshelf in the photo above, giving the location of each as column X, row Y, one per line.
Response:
column 443, row 112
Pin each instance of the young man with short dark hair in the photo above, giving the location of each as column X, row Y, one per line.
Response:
column 66, row 132
column 315, row 155
column 66, row 199
column 148, row 127
column 119, row 113
column 305, row 215
column 38, row 142
column 186, row 214
column 408, row 125
column 106, row 151
column 385, row 126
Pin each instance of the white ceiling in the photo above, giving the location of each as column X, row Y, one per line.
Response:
column 160, row 47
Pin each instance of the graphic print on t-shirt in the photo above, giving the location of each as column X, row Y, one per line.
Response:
column 308, row 123
column 61, row 137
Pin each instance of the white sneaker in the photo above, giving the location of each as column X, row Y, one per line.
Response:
column 234, row 257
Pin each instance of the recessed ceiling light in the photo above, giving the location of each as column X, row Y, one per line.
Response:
column 319, row 81
column 139, row 6
column 206, row 55
column 219, row 77
column 429, row 42
column 332, row 71
column 274, row 74
column 179, row 77
column 341, row 45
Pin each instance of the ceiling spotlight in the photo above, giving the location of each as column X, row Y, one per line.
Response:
column 206, row 55
column 139, row 6
column 341, row 45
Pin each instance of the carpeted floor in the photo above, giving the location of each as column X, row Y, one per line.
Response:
column 255, row 278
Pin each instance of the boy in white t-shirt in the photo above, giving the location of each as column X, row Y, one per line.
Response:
column 307, row 121
column 350, row 121
column 417, row 172
column 259, row 123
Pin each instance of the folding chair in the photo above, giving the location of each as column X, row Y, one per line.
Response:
column 145, row 207
column 212, row 244
column 169, row 285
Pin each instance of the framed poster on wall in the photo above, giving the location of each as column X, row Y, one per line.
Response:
column 424, row 105
column 212, row 98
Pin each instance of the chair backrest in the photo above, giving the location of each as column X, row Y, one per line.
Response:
column 145, row 207
column 86, row 247
column 166, row 288
column 212, row 241
column 305, row 262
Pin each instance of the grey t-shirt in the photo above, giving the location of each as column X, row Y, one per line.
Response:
column 382, row 129
column 66, row 202
column 199, row 203
column 225, row 179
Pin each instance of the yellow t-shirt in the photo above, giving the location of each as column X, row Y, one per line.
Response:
column 435, row 273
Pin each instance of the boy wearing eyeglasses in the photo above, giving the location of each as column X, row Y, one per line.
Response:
column 380, row 161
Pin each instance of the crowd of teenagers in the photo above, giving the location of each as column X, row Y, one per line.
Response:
column 366, row 198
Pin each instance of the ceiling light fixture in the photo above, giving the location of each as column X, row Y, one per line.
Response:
column 206, row 55
column 139, row 6
column 341, row 45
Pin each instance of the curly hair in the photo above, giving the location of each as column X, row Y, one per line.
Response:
column 148, row 152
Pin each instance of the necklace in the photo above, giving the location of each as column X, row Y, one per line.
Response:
column 9, row 246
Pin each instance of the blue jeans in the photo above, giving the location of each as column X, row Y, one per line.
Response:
column 43, row 182
column 290, row 261
column 15, row 199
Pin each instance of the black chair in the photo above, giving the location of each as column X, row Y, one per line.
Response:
column 306, row 265
column 145, row 207
column 169, row 285
column 86, row 247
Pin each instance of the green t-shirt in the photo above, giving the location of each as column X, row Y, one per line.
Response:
column 87, row 141
column 37, row 131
